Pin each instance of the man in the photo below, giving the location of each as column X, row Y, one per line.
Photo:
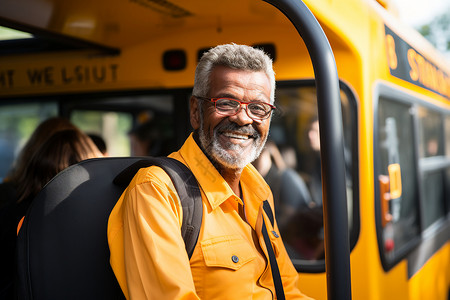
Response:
column 230, row 112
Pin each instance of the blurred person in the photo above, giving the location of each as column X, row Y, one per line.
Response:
column 100, row 143
column 147, row 140
column 44, row 130
column 290, row 192
column 313, row 134
column 62, row 149
column 8, row 188
column 304, row 237
column 311, row 167
column 299, row 217
column 289, row 155
column 312, row 164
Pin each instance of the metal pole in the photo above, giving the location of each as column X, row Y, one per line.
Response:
column 337, row 248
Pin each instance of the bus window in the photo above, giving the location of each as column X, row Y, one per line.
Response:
column 431, row 150
column 396, row 146
column 431, row 141
column 112, row 126
column 295, row 131
column 17, row 123
column 113, row 117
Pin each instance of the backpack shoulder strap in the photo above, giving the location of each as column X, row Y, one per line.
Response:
column 187, row 189
column 278, row 283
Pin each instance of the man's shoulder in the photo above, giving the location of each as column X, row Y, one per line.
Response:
column 150, row 174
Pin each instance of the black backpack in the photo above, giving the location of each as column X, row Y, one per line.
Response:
column 62, row 248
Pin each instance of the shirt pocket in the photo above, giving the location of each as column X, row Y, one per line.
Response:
column 231, row 252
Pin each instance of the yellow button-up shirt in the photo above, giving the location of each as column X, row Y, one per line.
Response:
column 230, row 259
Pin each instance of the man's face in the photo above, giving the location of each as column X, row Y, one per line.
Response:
column 233, row 141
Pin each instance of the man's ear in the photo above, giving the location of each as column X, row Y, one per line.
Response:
column 194, row 112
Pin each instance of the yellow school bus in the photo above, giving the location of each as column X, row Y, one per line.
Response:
column 111, row 66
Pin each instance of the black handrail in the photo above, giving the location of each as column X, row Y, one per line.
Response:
column 337, row 249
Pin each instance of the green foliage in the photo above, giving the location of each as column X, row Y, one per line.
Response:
column 113, row 127
column 438, row 31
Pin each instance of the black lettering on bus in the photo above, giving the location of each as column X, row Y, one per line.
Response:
column 7, row 78
column 65, row 78
column 99, row 78
column 41, row 76
column 87, row 74
column 114, row 71
column 78, row 72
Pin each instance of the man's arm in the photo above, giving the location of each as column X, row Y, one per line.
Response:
column 156, row 263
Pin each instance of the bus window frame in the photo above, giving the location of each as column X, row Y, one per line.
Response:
column 306, row 266
column 428, row 240
column 182, row 126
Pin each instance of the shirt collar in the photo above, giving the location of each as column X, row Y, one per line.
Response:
column 216, row 189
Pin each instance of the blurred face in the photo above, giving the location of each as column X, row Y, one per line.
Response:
column 232, row 141
column 313, row 134
column 138, row 147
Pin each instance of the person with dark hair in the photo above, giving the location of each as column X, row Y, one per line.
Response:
column 230, row 112
column 146, row 139
column 45, row 129
column 100, row 143
column 39, row 136
column 63, row 149
column 47, row 157
column 141, row 138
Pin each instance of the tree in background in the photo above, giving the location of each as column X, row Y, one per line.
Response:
column 438, row 32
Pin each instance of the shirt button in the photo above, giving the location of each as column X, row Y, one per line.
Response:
column 275, row 233
column 235, row 259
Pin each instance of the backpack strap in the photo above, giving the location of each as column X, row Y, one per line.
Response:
column 272, row 259
column 187, row 188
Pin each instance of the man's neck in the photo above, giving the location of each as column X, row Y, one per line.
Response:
column 232, row 177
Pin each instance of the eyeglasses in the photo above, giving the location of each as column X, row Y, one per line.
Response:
column 256, row 110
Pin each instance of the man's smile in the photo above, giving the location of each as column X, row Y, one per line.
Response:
column 237, row 135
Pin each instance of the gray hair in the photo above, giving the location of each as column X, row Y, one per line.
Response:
column 239, row 57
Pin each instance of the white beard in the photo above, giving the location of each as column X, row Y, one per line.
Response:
column 222, row 155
